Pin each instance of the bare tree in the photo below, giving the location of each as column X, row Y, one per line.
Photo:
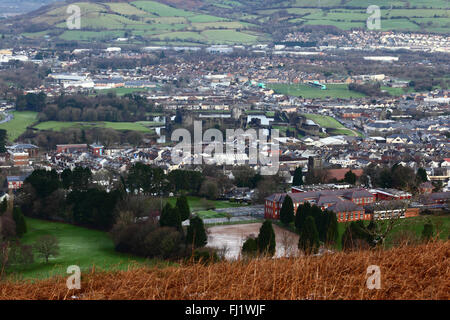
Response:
column 47, row 246
column 288, row 243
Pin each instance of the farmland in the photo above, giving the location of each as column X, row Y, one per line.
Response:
column 159, row 23
column 19, row 124
column 144, row 21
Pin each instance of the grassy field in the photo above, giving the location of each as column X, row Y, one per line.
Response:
column 18, row 125
column 78, row 246
column 306, row 91
column 210, row 214
column 197, row 203
column 333, row 126
column 141, row 126
column 153, row 21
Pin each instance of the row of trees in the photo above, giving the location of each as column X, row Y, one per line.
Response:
column 85, row 108
column 313, row 224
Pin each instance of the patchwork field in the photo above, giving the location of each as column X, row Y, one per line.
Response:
column 143, row 21
column 19, row 124
column 231, row 22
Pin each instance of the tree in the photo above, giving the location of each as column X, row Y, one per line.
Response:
column 427, row 232
column 47, row 246
column 196, row 233
column 66, row 178
column 3, row 140
column 19, row 219
column 266, row 239
column 357, row 236
column 183, row 208
column 250, row 247
column 303, row 211
column 298, row 177
column 421, row 175
column 3, row 206
column 287, row 211
column 350, row 177
column 309, row 237
column 170, row 217
column 332, row 228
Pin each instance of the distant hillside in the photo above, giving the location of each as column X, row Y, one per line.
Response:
column 221, row 21
column 13, row 7
column 421, row 272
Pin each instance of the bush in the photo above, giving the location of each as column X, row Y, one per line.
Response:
column 205, row 255
column 148, row 239
column 250, row 247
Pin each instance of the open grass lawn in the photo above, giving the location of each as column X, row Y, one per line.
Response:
column 306, row 91
column 141, row 126
column 324, row 121
column 197, row 203
column 210, row 214
column 18, row 125
column 122, row 91
column 78, row 246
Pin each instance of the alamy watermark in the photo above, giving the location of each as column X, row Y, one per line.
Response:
column 74, row 281
column 374, row 20
column 241, row 147
column 374, row 279
column 73, row 22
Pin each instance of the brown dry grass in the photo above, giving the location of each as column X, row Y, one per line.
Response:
column 421, row 272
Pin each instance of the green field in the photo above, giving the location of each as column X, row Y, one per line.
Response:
column 333, row 126
column 141, row 126
column 197, row 204
column 324, row 121
column 78, row 246
column 155, row 22
column 308, row 92
column 18, row 125
column 210, row 214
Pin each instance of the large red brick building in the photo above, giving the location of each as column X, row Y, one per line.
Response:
column 348, row 204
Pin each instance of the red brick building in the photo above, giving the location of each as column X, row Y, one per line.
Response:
column 347, row 203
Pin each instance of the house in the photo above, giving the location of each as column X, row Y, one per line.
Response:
column 96, row 149
column 426, row 187
column 71, row 148
column 15, row 182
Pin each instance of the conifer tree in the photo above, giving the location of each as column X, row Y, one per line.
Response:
column 287, row 211
column 19, row 219
column 170, row 217
column 196, row 233
column 266, row 239
column 298, row 177
column 309, row 237
column 183, row 207
column 303, row 211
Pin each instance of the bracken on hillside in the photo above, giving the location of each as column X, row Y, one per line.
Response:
column 421, row 272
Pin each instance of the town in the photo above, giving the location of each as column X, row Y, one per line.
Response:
column 318, row 142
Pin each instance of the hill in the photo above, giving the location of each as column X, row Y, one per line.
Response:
column 221, row 21
column 421, row 272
